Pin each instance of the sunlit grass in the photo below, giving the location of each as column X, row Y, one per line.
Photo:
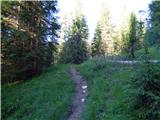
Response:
column 108, row 91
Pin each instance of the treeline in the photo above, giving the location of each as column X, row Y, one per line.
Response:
column 128, row 38
column 29, row 38
column 133, row 34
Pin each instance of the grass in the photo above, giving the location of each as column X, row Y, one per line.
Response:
column 108, row 91
column 49, row 96
column 154, row 53
column 110, row 88
column 45, row 97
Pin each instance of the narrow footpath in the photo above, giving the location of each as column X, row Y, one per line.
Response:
column 80, row 95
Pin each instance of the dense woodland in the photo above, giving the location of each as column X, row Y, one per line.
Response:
column 26, row 28
column 32, row 40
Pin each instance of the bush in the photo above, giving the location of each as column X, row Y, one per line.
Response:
column 147, row 92
column 99, row 62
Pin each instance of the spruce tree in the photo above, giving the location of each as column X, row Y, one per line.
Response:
column 26, row 28
column 97, row 43
column 103, row 41
column 75, row 48
column 132, row 39
column 153, row 28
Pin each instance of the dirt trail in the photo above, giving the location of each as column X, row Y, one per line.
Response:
column 80, row 96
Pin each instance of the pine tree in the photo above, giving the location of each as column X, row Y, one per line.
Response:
column 132, row 39
column 123, row 39
column 106, row 26
column 153, row 28
column 26, row 26
column 97, row 43
column 75, row 48
column 103, row 43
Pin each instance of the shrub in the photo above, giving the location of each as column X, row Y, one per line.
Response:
column 146, row 89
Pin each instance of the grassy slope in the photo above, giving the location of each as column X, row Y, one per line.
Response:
column 108, row 91
column 109, row 88
column 154, row 53
column 46, row 97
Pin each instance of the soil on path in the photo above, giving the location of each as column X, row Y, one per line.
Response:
column 80, row 95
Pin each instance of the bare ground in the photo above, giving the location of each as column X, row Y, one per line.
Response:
column 80, row 95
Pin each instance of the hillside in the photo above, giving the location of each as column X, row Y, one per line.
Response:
column 111, row 91
column 44, row 97
column 154, row 53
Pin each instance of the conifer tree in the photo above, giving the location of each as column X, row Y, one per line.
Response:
column 26, row 28
column 103, row 41
column 97, row 42
column 152, row 35
column 75, row 48
column 132, row 39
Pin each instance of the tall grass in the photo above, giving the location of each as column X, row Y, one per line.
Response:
column 45, row 97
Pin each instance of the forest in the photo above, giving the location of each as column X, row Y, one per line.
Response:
column 51, row 69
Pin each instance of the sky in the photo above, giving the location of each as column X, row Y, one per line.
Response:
column 91, row 9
